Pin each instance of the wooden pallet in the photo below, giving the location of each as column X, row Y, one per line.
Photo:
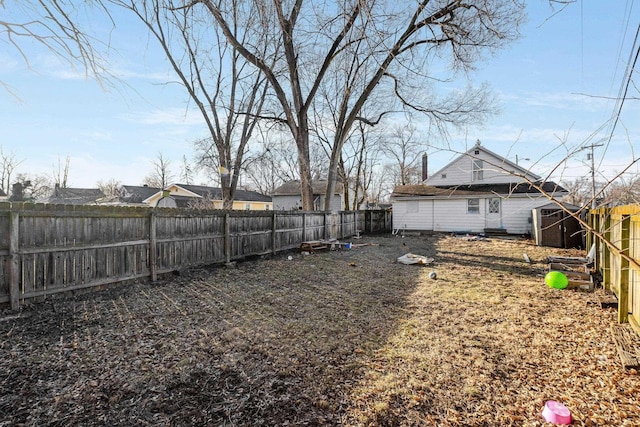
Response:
column 313, row 245
column 578, row 274
column 628, row 344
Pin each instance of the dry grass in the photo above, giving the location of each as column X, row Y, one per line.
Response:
column 334, row 338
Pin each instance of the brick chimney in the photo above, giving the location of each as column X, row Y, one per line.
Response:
column 425, row 167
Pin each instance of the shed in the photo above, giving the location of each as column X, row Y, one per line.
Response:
column 557, row 228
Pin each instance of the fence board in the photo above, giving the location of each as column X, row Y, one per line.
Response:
column 618, row 256
column 46, row 249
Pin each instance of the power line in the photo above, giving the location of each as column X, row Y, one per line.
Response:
column 624, row 89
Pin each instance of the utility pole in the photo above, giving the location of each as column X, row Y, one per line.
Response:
column 593, row 172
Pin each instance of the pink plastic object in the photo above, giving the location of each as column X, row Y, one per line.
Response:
column 556, row 412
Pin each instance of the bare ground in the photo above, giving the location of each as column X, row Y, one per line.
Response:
column 345, row 337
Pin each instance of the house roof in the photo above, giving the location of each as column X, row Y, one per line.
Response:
column 215, row 193
column 75, row 196
column 505, row 163
column 294, row 188
column 137, row 193
column 475, row 189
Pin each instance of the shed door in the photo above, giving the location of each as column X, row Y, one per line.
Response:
column 552, row 229
column 572, row 232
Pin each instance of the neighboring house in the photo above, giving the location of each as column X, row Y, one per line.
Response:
column 136, row 194
column 3, row 195
column 477, row 192
column 289, row 196
column 74, row 196
column 129, row 195
column 186, row 196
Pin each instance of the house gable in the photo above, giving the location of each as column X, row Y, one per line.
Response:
column 476, row 192
column 288, row 196
column 480, row 166
column 186, row 195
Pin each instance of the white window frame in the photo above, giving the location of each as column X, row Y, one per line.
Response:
column 494, row 205
column 473, row 206
column 477, row 166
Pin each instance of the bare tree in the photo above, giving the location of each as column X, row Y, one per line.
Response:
column 161, row 175
column 186, row 171
column 401, row 34
column 404, row 146
column 226, row 90
column 623, row 191
column 60, row 173
column 8, row 165
column 57, row 26
column 110, row 187
column 35, row 187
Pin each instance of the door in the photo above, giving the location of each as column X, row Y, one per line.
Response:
column 573, row 234
column 551, row 228
column 494, row 213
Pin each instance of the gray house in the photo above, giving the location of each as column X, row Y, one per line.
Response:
column 288, row 196
column 74, row 196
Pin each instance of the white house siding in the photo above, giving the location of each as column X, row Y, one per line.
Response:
column 413, row 215
column 451, row 215
column 516, row 213
column 445, row 215
column 294, row 202
column 286, row 202
column 460, row 172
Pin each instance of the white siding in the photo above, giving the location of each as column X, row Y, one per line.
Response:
column 516, row 213
column 294, row 202
column 451, row 215
column 459, row 171
column 413, row 214
column 286, row 202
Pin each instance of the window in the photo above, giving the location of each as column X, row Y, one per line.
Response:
column 476, row 170
column 494, row 206
column 473, row 206
column 443, row 176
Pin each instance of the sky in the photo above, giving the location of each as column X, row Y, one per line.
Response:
column 558, row 83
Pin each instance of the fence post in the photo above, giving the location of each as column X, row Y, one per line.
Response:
column 594, row 222
column 274, row 230
column 14, row 259
column 227, row 238
column 606, row 252
column 623, row 301
column 153, row 247
column 304, row 226
column 327, row 234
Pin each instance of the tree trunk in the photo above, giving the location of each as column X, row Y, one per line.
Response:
column 304, row 162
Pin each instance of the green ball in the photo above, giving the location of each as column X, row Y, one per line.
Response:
column 556, row 280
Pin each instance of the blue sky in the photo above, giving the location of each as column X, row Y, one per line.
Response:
column 551, row 85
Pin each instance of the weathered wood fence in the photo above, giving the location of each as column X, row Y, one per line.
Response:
column 46, row 249
column 620, row 263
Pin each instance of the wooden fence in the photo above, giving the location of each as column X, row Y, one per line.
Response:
column 619, row 261
column 46, row 249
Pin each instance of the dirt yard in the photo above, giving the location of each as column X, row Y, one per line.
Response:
column 346, row 337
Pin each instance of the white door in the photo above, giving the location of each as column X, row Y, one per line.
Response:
column 494, row 213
